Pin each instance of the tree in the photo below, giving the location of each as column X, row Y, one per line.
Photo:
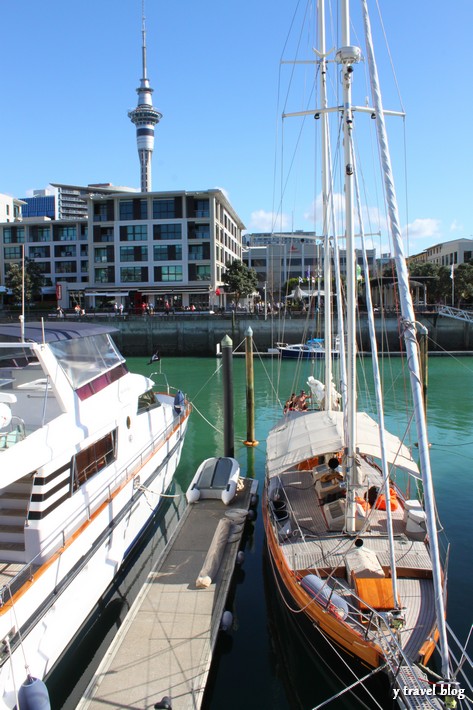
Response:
column 34, row 280
column 435, row 277
column 239, row 279
column 463, row 283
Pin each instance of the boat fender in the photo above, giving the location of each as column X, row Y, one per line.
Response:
column 253, row 501
column 33, row 695
column 227, row 621
column 193, row 494
column 164, row 704
column 178, row 402
column 320, row 590
column 251, row 515
column 240, row 558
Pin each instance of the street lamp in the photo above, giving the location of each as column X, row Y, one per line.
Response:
column 265, row 310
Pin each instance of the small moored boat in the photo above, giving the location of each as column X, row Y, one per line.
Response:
column 312, row 349
column 216, row 477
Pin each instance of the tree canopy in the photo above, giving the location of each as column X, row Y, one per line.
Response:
column 440, row 282
column 34, row 280
column 239, row 279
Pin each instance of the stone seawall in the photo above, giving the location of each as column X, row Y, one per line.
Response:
column 199, row 335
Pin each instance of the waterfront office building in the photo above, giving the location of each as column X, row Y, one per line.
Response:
column 133, row 248
column 457, row 251
column 281, row 256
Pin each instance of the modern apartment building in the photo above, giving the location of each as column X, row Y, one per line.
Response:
column 10, row 208
column 61, row 201
column 167, row 246
column 132, row 248
column 457, row 251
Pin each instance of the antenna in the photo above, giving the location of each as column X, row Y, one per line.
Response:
column 143, row 34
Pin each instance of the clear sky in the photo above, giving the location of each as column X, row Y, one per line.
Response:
column 70, row 70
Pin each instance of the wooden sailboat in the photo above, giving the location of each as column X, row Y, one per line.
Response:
column 355, row 553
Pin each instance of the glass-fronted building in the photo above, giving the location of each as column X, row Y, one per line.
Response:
column 154, row 250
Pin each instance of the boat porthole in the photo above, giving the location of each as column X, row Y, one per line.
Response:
column 128, row 422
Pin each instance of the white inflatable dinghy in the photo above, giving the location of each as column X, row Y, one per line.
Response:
column 215, row 478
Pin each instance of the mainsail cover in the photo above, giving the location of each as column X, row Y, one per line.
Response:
column 304, row 436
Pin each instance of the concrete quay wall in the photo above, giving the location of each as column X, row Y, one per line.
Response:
column 200, row 335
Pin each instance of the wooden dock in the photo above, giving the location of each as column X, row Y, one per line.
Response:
column 165, row 645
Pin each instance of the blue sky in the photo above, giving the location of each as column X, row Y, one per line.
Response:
column 70, row 72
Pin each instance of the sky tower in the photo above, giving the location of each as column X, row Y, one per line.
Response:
column 145, row 116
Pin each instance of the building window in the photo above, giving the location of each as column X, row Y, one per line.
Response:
column 104, row 211
column 105, row 275
column 133, row 209
column 167, row 231
column 170, row 208
column 64, row 234
column 103, row 234
column 39, row 234
column 12, row 252
column 103, row 254
column 66, row 267
column 198, row 207
column 133, row 233
column 168, row 273
column 133, row 274
column 40, row 252
column 70, row 250
column 198, row 231
column 134, row 253
column 44, row 267
column 14, row 235
column 202, row 208
column 167, row 252
column 199, row 272
column 199, row 252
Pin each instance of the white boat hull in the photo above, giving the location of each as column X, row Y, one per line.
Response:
column 82, row 579
column 87, row 455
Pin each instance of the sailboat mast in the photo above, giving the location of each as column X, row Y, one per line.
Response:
column 346, row 57
column 325, row 206
column 410, row 339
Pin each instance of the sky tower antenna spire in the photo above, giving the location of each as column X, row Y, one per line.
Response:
column 143, row 35
column 145, row 116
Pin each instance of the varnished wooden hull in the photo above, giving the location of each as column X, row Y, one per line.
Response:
column 340, row 633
